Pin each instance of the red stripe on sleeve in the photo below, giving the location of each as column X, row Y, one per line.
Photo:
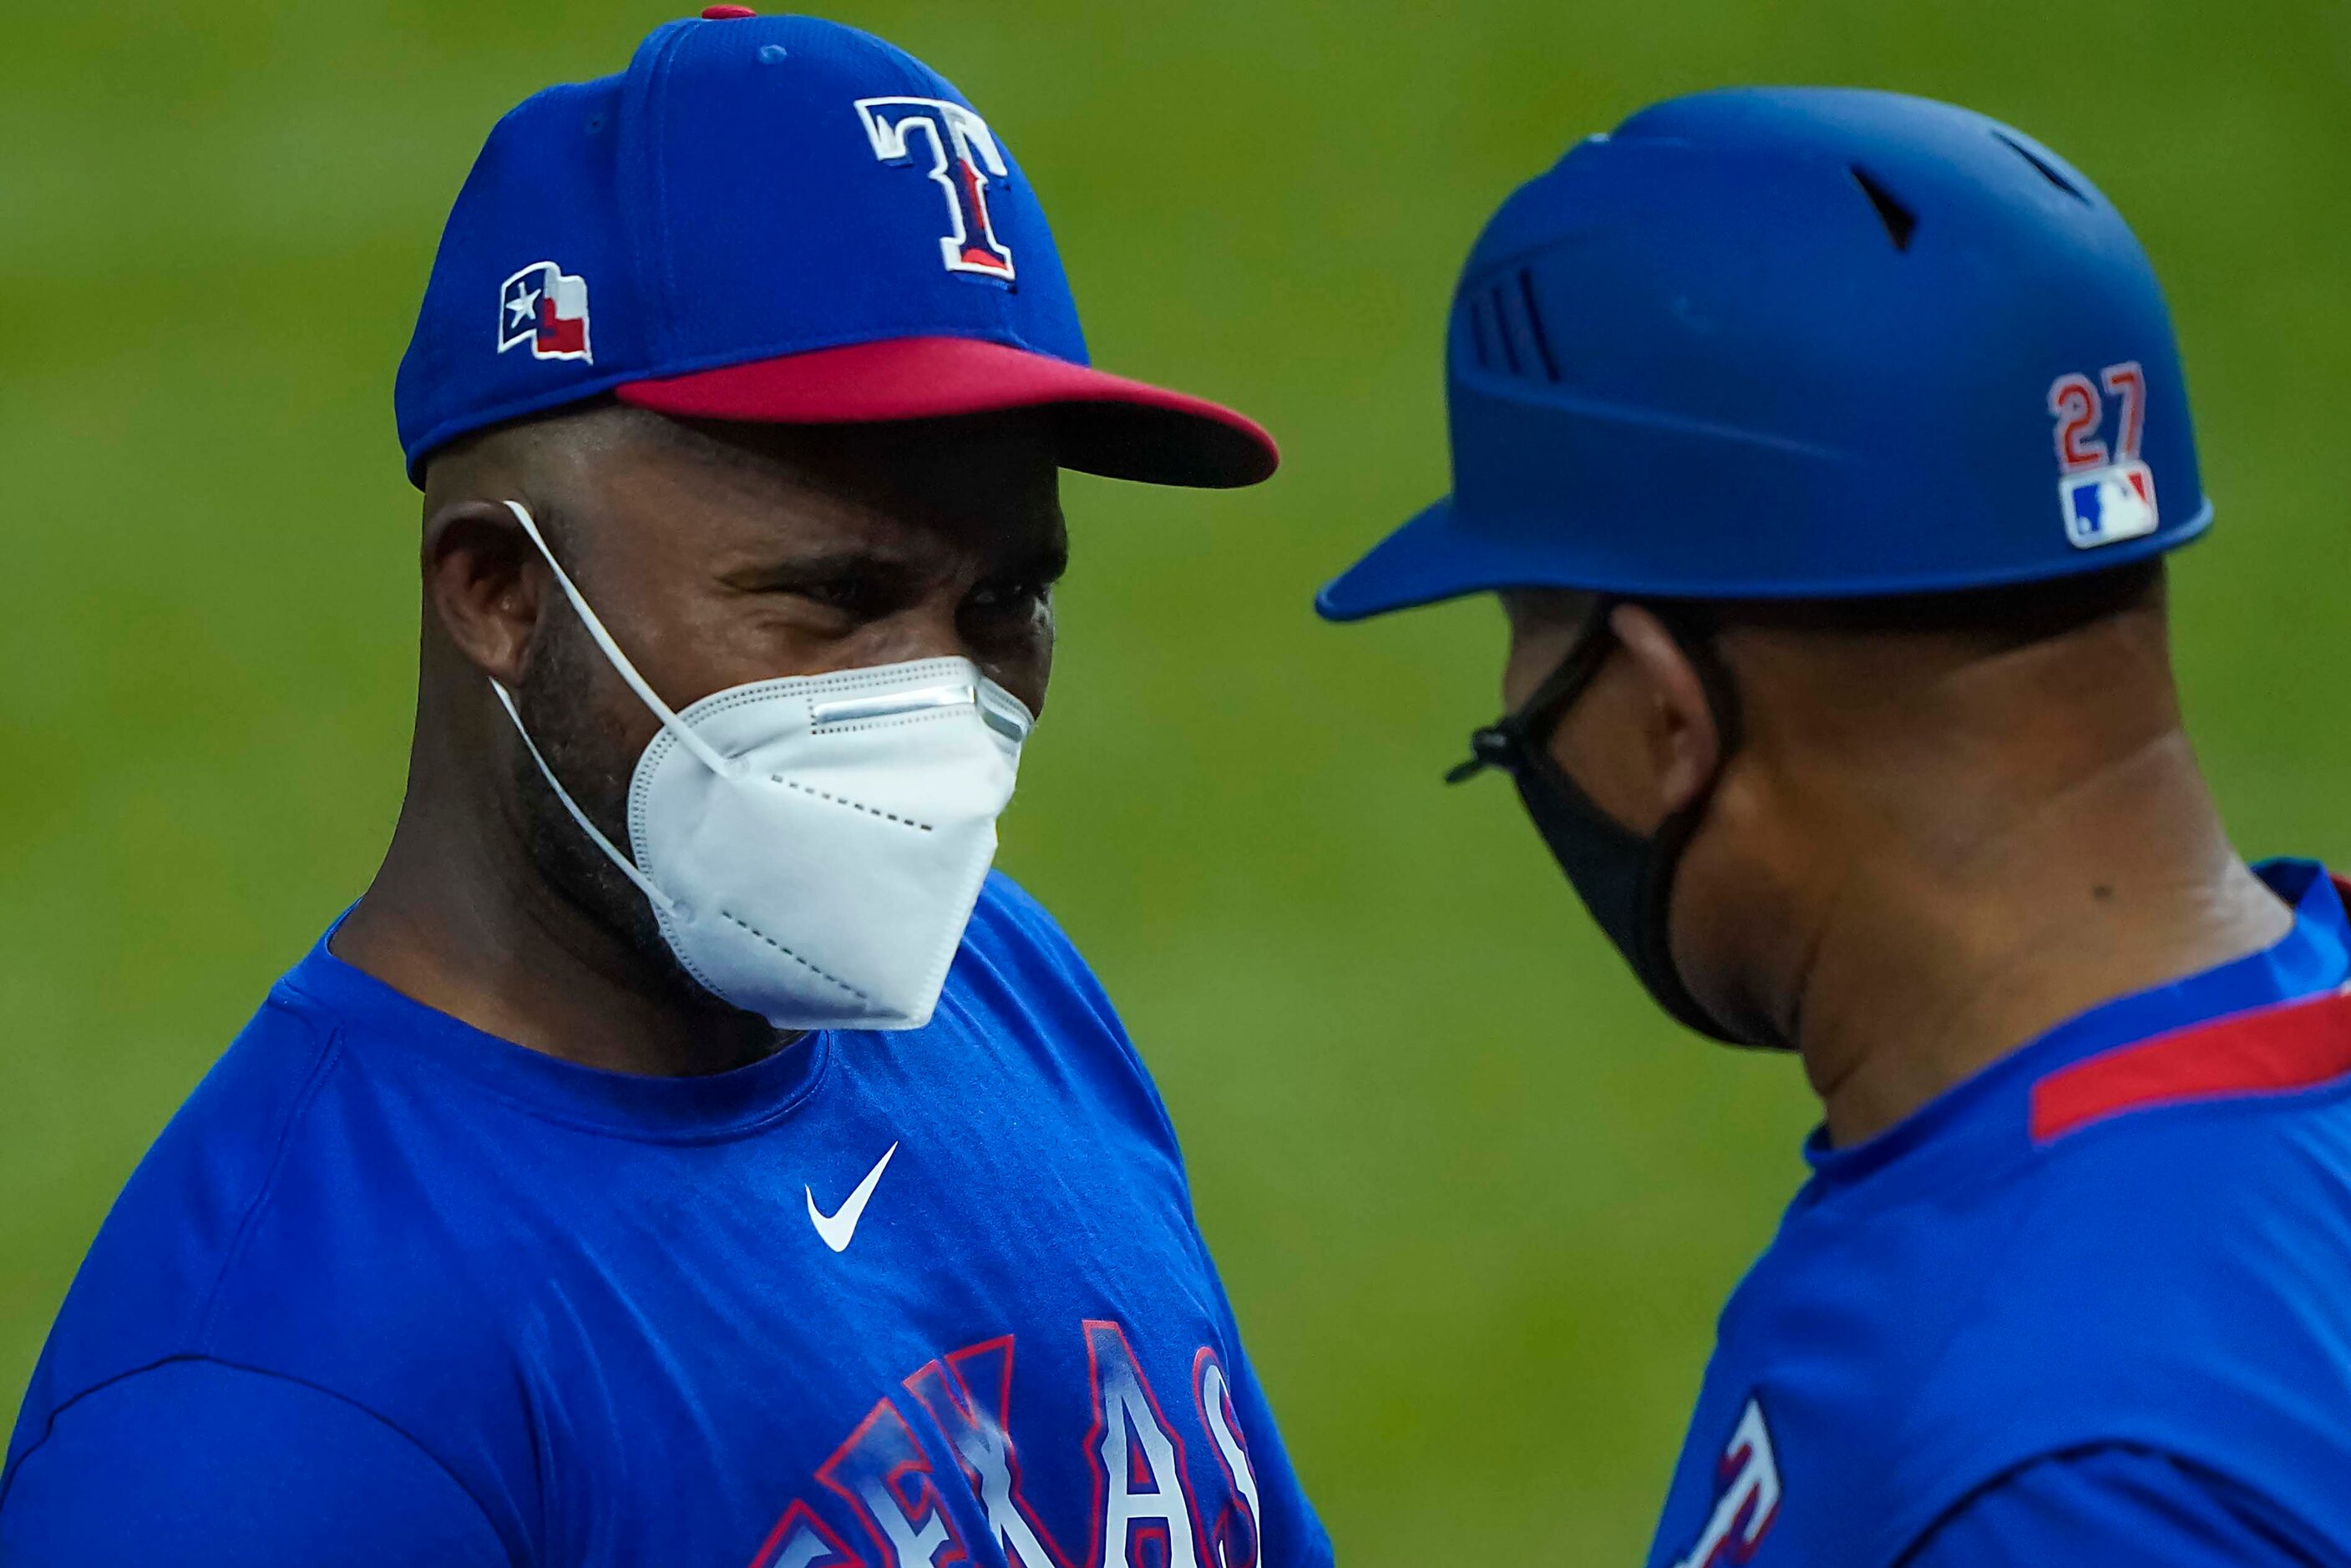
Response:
column 2272, row 1050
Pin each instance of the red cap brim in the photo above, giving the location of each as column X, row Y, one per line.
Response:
column 1110, row 425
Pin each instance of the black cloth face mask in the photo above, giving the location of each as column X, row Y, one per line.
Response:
column 1625, row 880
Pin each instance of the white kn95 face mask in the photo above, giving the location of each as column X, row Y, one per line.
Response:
column 812, row 845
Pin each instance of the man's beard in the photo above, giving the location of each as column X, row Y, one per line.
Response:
column 557, row 704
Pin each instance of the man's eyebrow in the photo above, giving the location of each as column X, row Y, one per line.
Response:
column 782, row 566
column 821, row 564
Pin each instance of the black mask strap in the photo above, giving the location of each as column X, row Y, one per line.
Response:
column 1512, row 742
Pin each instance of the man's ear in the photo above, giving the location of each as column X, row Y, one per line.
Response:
column 485, row 579
column 1684, row 739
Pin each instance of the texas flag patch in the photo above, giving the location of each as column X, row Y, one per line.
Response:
column 545, row 307
column 2107, row 505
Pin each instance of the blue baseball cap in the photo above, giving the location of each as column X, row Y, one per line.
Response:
column 775, row 220
column 1802, row 342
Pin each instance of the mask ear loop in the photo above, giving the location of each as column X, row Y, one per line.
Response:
column 1511, row 741
column 708, row 755
column 628, row 866
column 1693, row 634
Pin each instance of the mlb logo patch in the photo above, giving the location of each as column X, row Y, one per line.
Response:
column 545, row 307
column 2107, row 505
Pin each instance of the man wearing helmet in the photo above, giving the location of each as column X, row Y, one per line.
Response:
column 1824, row 448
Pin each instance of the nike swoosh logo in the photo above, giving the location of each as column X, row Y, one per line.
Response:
column 838, row 1228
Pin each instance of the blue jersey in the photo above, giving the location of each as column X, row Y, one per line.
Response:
column 389, row 1289
column 2090, row 1306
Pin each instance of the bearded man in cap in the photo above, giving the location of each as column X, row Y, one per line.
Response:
column 688, row 1151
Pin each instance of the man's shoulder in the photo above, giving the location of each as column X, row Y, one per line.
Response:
column 276, row 1223
column 175, row 1231
column 1013, row 945
column 2171, row 1278
column 2190, row 1211
column 2212, row 1236
column 2240, row 1195
column 2173, row 1281
column 1008, row 917
column 1019, row 977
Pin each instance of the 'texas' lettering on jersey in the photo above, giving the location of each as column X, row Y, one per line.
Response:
column 953, row 1427
column 1746, row 1496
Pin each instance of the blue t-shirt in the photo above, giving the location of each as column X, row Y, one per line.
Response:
column 389, row 1289
column 2092, row 1305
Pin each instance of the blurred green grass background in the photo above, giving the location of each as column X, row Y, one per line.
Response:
column 1476, row 1203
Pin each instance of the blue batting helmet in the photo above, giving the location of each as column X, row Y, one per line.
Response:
column 1798, row 343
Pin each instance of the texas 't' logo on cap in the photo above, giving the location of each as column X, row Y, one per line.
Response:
column 545, row 307
column 963, row 155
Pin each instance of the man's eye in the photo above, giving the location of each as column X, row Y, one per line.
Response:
column 1022, row 596
column 849, row 594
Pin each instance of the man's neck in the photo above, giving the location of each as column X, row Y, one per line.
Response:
column 1926, row 968
column 458, row 920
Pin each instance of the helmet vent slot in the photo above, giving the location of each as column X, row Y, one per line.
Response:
column 2048, row 172
column 1481, row 335
column 1497, row 306
column 1901, row 222
column 1537, row 338
column 1506, row 332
